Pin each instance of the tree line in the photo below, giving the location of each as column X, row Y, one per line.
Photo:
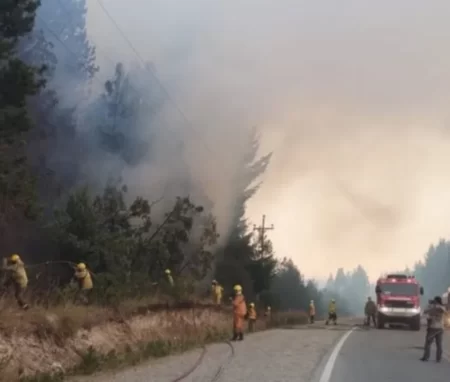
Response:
column 64, row 151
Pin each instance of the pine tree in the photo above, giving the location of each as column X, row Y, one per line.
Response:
column 18, row 81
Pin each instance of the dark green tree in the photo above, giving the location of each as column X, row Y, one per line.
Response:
column 124, row 246
column 239, row 262
column 18, row 81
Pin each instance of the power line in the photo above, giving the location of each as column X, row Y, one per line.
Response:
column 69, row 17
column 163, row 88
column 189, row 125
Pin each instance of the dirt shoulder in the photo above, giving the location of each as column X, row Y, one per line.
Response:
column 49, row 345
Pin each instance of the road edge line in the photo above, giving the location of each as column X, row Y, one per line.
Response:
column 329, row 366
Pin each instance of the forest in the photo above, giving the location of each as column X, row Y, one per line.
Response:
column 89, row 172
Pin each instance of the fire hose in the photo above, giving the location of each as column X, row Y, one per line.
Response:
column 219, row 372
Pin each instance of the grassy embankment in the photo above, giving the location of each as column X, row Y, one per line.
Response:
column 49, row 344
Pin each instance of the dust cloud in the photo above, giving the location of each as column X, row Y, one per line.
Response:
column 351, row 96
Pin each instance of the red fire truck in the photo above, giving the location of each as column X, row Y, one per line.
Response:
column 398, row 301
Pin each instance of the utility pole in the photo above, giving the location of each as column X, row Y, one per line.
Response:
column 262, row 230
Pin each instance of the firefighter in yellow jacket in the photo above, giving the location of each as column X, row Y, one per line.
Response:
column 85, row 284
column 169, row 277
column 217, row 292
column 312, row 312
column 332, row 315
column 251, row 317
column 16, row 276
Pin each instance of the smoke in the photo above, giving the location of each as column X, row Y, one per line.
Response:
column 352, row 98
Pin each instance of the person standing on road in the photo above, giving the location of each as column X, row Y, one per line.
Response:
column 239, row 313
column 370, row 311
column 435, row 331
column 312, row 312
column 251, row 317
column 332, row 315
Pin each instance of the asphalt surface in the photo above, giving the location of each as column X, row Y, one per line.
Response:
column 280, row 355
column 315, row 353
column 386, row 355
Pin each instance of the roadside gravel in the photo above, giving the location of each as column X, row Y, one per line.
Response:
column 272, row 356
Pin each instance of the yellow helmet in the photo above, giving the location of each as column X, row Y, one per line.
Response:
column 81, row 266
column 15, row 258
column 237, row 288
column 167, row 271
column 252, row 305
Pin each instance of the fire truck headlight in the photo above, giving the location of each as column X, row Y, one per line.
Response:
column 415, row 310
column 383, row 309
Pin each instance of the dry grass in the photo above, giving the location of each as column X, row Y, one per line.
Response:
column 80, row 340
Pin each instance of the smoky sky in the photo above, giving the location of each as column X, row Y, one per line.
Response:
column 352, row 97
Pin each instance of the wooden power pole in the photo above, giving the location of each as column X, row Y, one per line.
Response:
column 262, row 230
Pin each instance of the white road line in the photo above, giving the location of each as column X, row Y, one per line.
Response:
column 326, row 374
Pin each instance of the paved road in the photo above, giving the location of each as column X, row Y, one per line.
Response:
column 384, row 355
column 281, row 355
column 304, row 354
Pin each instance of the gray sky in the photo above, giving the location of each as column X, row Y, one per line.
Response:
column 352, row 96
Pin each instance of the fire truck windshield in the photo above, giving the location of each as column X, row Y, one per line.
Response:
column 401, row 289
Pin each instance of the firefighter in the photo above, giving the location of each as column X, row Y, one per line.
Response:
column 251, row 317
column 85, row 284
column 435, row 331
column 312, row 312
column 239, row 313
column 332, row 316
column 169, row 277
column 370, row 311
column 217, row 292
column 268, row 312
column 16, row 275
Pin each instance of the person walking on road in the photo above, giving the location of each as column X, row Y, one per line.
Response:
column 332, row 315
column 370, row 311
column 312, row 312
column 239, row 313
column 435, row 330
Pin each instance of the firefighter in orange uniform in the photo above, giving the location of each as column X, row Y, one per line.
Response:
column 239, row 313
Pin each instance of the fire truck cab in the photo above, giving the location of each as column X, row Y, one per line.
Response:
column 398, row 301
